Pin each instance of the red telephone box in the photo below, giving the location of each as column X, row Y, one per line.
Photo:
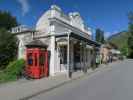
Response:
column 36, row 62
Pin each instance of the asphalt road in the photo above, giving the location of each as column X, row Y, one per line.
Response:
column 113, row 83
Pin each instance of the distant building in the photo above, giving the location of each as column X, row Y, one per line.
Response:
column 67, row 38
column 109, row 53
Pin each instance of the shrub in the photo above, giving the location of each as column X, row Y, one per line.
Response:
column 12, row 71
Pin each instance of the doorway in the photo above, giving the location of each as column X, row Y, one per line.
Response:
column 63, row 57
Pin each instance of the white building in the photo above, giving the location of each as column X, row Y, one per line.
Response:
column 68, row 40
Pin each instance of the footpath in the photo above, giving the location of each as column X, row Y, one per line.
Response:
column 23, row 90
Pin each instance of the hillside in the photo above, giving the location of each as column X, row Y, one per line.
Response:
column 120, row 39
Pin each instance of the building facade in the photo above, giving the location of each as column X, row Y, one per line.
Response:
column 67, row 38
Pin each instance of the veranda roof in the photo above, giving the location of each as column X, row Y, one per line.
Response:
column 36, row 43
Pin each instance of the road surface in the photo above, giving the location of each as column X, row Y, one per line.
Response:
column 113, row 83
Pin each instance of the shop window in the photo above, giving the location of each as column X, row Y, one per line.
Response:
column 87, row 55
column 91, row 52
column 77, row 53
column 63, row 54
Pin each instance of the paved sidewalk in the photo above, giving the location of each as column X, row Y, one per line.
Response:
column 24, row 90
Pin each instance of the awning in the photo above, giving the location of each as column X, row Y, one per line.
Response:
column 80, row 38
column 113, row 51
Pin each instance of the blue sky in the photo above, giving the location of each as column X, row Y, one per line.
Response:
column 109, row 15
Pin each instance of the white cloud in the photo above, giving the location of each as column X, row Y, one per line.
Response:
column 24, row 6
column 108, row 34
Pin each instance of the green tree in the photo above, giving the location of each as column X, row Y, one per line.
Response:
column 99, row 36
column 8, row 42
column 7, row 21
column 130, row 38
column 8, row 47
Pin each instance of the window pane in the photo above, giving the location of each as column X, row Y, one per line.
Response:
column 63, row 54
column 77, row 53
column 42, row 60
column 30, row 59
column 35, row 59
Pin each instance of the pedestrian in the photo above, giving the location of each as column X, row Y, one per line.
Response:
column 97, row 59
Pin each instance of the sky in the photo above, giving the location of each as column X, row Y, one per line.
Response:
column 108, row 15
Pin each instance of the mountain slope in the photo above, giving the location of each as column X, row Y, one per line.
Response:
column 120, row 40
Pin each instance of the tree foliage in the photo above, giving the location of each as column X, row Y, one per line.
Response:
column 121, row 41
column 8, row 42
column 7, row 21
column 130, row 38
column 99, row 36
column 8, row 47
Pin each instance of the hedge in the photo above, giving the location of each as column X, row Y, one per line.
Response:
column 12, row 71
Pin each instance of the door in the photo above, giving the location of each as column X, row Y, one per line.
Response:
column 35, row 68
column 43, row 63
column 29, row 62
column 32, row 67
column 63, row 58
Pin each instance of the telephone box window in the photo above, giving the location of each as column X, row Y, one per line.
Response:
column 42, row 60
column 35, row 59
column 30, row 59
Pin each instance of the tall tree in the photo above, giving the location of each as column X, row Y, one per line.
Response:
column 130, row 38
column 8, row 42
column 8, row 48
column 7, row 21
column 99, row 36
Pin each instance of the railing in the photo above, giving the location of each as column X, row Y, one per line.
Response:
column 62, row 15
column 38, row 34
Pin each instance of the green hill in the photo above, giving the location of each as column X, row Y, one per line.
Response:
column 120, row 40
